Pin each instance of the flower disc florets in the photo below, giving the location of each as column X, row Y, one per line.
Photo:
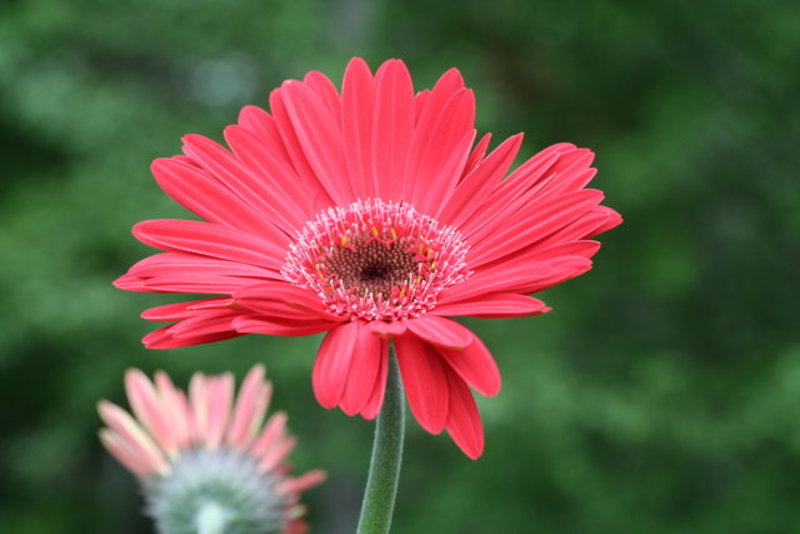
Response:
column 219, row 483
column 376, row 260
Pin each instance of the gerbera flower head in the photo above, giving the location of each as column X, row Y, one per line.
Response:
column 203, row 460
column 369, row 213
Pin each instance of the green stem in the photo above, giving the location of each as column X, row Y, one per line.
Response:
column 387, row 455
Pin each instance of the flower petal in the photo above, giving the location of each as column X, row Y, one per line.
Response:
column 257, row 324
column 283, row 186
column 392, row 127
column 494, row 306
column 387, row 329
column 478, row 154
column 317, row 193
column 368, row 358
column 424, row 381
column 358, row 93
column 219, row 408
column 447, row 119
column 537, row 222
column 176, row 409
column 209, row 239
column 148, row 408
column 440, row 331
column 241, row 181
column 472, row 190
column 251, row 405
column 133, row 436
column 163, row 339
column 320, row 137
column 476, row 366
column 273, row 432
column 463, row 421
column 332, row 366
column 198, row 191
column 280, row 299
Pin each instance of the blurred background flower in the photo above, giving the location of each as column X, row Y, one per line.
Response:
column 660, row 396
column 208, row 464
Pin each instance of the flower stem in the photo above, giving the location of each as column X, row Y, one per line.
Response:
column 387, row 454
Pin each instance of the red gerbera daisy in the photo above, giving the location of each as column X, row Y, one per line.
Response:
column 371, row 214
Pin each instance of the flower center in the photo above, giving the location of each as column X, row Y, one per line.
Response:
column 376, row 260
column 219, row 483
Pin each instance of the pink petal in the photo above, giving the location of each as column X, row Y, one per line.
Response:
column 475, row 186
column 241, row 180
column 265, row 130
column 445, row 181
column 478, row 154
column 495, row 306
column 119, row 448
column 199, row 393
column 543, row 185
column 320, row 138
column 220, row 397
column 392, row 127
column 179, row 263
column 148, row 407
column 128, row 282
column 424, row 381
column 373, row 406
column 274, row 432
column 332, row 366
column 317, row 193
column 275, row 171
column 277, row 454
column 613, row 220
column 420, row 102
column 179, row 310
column 476, row 366
column 199, row 192
column 209, row 239
column 368, row 355
column 512, row 277
column 302, row 483
column 326, row 92
column 206, row 322
column 440, row 331
column 358, row 90
column 163, row 339
column 447, row 119
column 194, row 283
column 598, row 220
column 280, row 299
column 255, row 324
column 387, row 329
column 134, row 437
column 536, row 223
column 559, row 256
column 510, row 194
column 464, row 422
column 176, row 409
column 446, row 86
column 251, row 406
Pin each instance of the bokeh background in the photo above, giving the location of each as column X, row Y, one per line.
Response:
column 662, row 394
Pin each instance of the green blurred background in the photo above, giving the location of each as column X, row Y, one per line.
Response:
column 662, row 394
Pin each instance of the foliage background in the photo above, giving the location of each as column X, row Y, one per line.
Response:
column 662, row 395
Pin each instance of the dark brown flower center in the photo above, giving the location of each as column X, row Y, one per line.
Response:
column 376, row 260
column 372, row 267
